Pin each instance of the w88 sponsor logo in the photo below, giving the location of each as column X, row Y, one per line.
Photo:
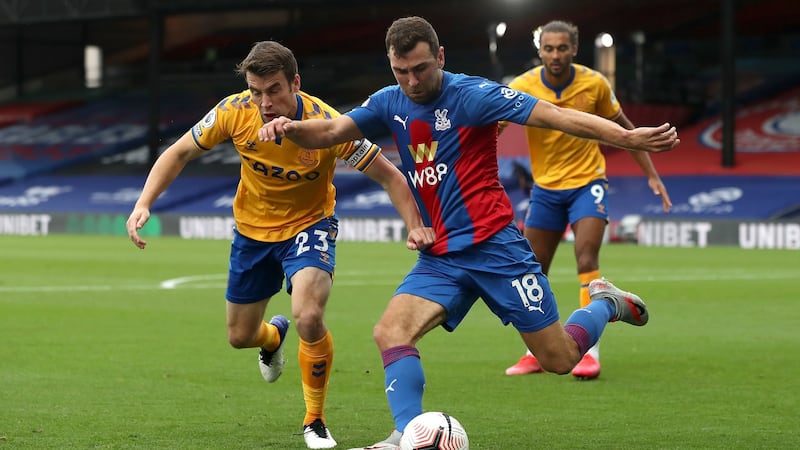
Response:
column 428, row 176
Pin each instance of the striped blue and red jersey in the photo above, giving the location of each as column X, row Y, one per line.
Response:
column 448, row 149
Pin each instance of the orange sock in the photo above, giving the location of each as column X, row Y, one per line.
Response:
column 268, row 337
column 584, row 279
column 315, row 359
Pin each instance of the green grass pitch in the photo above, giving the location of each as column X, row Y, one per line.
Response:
column 106, row 346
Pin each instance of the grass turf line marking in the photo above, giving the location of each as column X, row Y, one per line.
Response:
column 175, row 282
column 188, row 282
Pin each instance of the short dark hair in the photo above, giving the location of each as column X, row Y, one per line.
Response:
column 560, row 26
column 266, row 58
column 404, row 34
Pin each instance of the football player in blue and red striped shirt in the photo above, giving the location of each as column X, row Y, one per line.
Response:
column 445, row 126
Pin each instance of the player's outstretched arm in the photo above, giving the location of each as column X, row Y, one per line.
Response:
column 383, row 172
column 311, row 133
column 138, row 218
column 164, row 171
column 646, row 164
column 659, row 189
column 653, row 179
column 589, row 126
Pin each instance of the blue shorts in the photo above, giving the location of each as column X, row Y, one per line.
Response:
column 555, row 209
column 502, row 270
column 257, row 269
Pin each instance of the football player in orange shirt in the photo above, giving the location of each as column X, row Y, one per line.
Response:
column 569, row 173
column 286, row 226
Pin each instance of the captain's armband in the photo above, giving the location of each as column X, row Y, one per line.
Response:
column 362, row 148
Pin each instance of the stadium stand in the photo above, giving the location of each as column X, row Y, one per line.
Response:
column 12, row 113
column 56, row 136
column 90, row 152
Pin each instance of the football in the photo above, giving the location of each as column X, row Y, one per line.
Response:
column 434, row 431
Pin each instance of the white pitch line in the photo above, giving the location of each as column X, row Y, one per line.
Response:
column 190, row 282
column 175, row 282
column 76, row 288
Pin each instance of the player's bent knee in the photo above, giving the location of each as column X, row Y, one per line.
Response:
column 557, row 369
column 237, row 343
column 379, row 334
column 558, row 365
column 309, row 324
column 238, row 339
column 388, row 336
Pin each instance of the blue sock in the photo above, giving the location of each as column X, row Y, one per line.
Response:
column 585, row 325
column 404, row 383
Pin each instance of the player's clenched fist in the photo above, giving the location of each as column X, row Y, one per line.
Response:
column 420, row 238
